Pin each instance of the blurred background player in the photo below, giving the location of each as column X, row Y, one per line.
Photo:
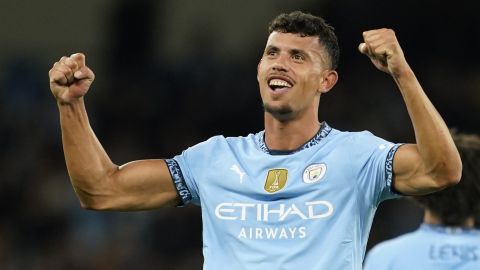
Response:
column 447, row 239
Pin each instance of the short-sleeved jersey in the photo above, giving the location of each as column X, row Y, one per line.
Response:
column 311, row 208
column 429, row 247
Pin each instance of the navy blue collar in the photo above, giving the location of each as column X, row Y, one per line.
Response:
column 322, row 133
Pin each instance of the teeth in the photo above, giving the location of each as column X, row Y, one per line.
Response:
column 278, row 82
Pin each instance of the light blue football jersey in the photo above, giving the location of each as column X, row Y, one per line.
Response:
column 429, row 247
column 307, row 209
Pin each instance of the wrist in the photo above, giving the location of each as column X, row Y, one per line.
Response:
column 70, row 102
column 402, row 72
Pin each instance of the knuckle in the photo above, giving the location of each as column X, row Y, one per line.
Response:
column 77, row 56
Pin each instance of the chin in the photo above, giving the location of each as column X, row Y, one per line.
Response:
column 282, row 112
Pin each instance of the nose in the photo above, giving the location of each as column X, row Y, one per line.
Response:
column 280, row 64
column 279, row 67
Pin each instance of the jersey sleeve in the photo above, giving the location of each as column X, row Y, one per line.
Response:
column 178, row 178
column 376, row 173
column 188, row 167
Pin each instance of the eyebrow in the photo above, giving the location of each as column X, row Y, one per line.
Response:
column 291, row 51
column 298, row 51
column 271, row 47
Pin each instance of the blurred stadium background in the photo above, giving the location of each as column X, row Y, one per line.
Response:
column 173, row 73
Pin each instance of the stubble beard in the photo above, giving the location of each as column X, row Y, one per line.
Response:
column 282, row 113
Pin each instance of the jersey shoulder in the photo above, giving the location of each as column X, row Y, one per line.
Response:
column 221, row 143
column 359, row 142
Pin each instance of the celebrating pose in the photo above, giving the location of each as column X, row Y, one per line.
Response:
column 297, row 194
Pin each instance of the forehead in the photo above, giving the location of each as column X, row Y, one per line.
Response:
column 290, row 41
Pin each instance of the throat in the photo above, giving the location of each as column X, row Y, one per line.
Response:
column 287, row 138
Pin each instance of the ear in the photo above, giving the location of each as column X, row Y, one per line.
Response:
column 328, row 79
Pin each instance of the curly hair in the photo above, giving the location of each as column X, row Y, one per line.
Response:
column 306, row 24
column 455, row 204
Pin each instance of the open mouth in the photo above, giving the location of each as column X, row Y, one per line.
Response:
column 277, row 84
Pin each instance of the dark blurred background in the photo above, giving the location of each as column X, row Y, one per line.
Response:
column 173, row 73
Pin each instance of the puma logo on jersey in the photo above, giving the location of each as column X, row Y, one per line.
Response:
column 237, row 170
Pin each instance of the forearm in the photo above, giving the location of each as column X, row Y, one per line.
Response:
column 87, row 162
column 435, row 145
column 98, row 182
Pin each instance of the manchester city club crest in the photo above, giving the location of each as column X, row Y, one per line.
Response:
column 314, row 172
column 276, row 180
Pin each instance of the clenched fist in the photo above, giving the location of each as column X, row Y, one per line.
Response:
column 383, row 49
column 70, row 78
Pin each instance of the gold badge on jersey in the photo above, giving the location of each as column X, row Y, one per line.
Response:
column 276, row 180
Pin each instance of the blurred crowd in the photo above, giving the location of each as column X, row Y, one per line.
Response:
column 143, row 107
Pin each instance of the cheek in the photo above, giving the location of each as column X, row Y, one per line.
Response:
column 261, row 67
column 314, row 79
column 308, row 80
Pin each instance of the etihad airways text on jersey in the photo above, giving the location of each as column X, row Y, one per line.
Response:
column 264, row 211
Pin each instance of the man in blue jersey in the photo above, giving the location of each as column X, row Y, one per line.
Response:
column 297, row 194
column 447, row 239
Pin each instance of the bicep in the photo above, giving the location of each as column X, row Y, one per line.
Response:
column 410, row 174
column 140, row 185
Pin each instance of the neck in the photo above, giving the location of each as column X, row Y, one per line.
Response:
column 432, row 219
column 291, row 134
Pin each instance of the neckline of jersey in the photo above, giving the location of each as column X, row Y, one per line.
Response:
column 322, row 133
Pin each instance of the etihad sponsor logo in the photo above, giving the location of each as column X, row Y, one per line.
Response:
column 276, row 180
column 314, row 173
column 272, row 233
column 265, row 212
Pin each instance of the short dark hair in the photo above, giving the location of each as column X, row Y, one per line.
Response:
column 306, row 24
column 455, row 204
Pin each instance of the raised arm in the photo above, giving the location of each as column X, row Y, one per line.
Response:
column 97, row 181
column 433, row 163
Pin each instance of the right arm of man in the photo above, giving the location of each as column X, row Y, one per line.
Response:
column 97, row 181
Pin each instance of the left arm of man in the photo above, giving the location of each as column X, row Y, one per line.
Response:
column 433, row 163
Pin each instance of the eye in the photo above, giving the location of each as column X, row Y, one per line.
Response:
column 271, row 52
column 298, row 57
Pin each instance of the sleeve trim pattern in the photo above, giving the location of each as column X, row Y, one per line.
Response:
column 389, row 168
column 179, row 181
